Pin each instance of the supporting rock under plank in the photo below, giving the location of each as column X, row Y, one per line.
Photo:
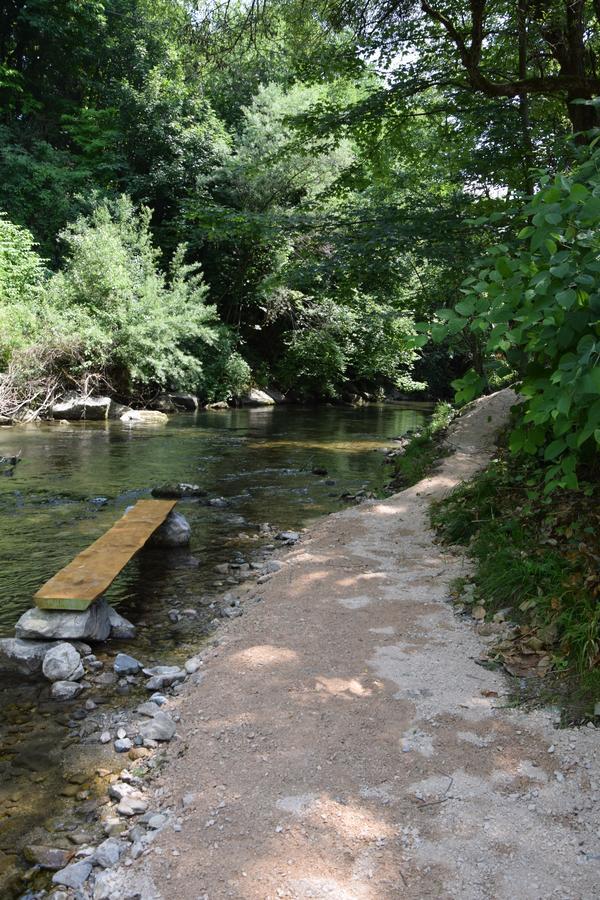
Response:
column 93, row 570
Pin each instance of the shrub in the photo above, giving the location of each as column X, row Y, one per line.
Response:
column 537, row 301
column 22, row 278
column 137, row 323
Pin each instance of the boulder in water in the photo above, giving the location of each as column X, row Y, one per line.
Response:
column 144, row 417
column 93, row 624
column 174, row 532
column 256, row 397
column 62, row 663
column 218, row 404
column 78, row 406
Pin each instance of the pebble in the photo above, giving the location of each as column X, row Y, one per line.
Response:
column 105, row 737
column 122, row 745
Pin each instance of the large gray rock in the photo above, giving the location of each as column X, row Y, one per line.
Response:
column 174, row 532
column 62, row 663
column 20, row 657
column 48, row 624
column 256, row 397
column 160, row 727
column 144, row 417
column 120, row 627
column 78, row 406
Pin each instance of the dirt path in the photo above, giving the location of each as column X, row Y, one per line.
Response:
column 341, row 743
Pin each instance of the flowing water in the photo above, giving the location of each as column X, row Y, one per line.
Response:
column 75, row 480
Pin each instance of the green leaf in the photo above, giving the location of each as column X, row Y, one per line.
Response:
column 555, row 449
column 566, row 298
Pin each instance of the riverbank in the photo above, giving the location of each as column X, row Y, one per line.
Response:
column 343, row 742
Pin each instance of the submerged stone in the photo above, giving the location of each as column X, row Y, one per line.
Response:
column 66, row 690
column 178, row 490
column 120, row 627
column 52, row 858
column 126, row 665
column 174, row 532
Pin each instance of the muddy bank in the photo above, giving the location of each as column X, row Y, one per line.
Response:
column 343, row 742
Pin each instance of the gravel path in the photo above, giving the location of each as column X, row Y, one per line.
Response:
column 344, row 744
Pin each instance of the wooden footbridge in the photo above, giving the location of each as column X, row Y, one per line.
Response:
column 93, row 570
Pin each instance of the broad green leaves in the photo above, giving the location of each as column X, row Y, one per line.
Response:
column 540, row 303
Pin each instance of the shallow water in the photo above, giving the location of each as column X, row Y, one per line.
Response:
column 72, row 484
column 75, row 480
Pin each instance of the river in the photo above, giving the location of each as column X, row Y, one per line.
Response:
column 73, row 482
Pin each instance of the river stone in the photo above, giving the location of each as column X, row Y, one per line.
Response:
column 218, row 404
column 255, row 397
column 75, row 875
column 174, row 532
column 120, row 628
column 144, row 417
column 122, row 745
column 91, row 625
column 21, row 657
column 78, row 406
column 188, row 402
column 178, row 490
column 163, row 676
column 160, row 728
column 65, row 690
column 62, row 663
column 52, row 858
column 126, row 665
column 108, row 852
column 149, row 709
column 289, row 537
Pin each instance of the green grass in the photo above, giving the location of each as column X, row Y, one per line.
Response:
column 424, row 450
column 538, row 556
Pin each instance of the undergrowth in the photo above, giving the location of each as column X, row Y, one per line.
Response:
column 424, row 449
column 537, row 563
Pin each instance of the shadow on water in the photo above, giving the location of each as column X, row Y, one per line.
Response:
column 75, row 480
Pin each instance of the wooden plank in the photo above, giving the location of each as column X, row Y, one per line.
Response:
column 94, row 569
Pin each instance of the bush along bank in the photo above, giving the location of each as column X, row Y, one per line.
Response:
column 418, row 453
column 535, row 587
